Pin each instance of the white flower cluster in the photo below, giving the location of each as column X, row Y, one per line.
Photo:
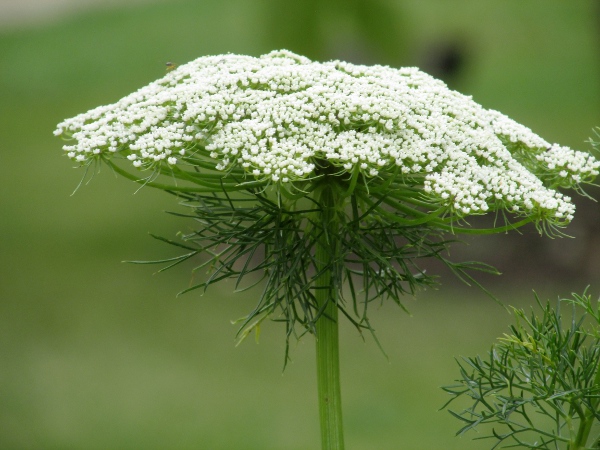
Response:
column 281, row 117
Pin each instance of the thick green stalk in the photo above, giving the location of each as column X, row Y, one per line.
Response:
column 586, row 423
column 328, row 361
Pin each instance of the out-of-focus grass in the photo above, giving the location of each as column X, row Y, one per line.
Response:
column 97, row 354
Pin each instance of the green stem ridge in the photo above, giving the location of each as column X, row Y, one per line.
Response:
column 327, row 335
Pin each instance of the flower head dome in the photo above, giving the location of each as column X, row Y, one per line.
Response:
column 281, row 119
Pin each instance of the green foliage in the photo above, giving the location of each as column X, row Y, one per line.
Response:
column 263, row 236
column 540, row 386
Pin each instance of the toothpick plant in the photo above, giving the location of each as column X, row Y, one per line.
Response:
column 539, row 387
column 325, row 183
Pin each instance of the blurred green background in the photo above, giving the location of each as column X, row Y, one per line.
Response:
column 95, row 354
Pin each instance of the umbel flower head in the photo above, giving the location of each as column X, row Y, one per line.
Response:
column 282, row 118
column 252, row 144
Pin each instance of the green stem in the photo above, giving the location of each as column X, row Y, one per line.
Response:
column 328, row 361
column 585, row 425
